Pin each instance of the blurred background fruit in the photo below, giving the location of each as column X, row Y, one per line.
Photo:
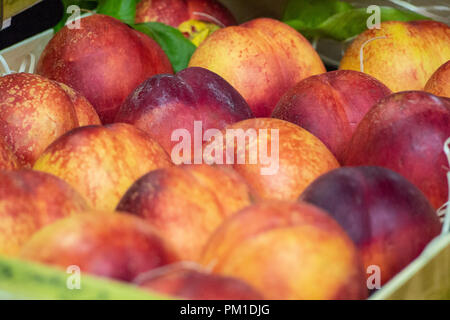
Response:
column 196, row 284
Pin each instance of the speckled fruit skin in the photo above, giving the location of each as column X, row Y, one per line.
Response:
column 104, row 60
column 387, row 217
column 439, row 82
column 165, row 103
column 34, row 111
column 287, row 250
column 407, row 58
column 302, row 158
column 331, row 105
column 405, row 132
column 113, row 245
column 196, row 284
column 8, row 160
column 174, row 12
column 186, row 203
column 85, row 112
column 262, row 59
column 25, row 205
column 102, row 162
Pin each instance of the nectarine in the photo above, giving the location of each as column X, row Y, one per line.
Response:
column 174, row 12
column 165, row 103
column 196, row 284
column 186, row 203
column 407, row 56
column 102, row 162
column 439, row 82
column 287, row 250
column 406, row 132
column 114, row 245
column 278, row 159
column 104, row 60
column 331, row 105
column 34, row 111
column 387, row 217
column 262, row 59
column 30, row 200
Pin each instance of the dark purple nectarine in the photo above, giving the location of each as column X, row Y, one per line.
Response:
column 165, row 103
column 387, row 217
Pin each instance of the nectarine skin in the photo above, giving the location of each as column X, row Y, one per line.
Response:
column 405, row 132
column 165, row 103
column 301, row 158
column 439, row 83
column 102, row 162
column 85, row 112
column 262, row 59
column 104, row 60
column 191, row 284
column 406, row 58
column 8, row 160
column 174, row 12
column 186, row 203
column 30, row 200
column 113, row 245
column 331, row 105
column 287, row 250
column 387, row 217
column 34, row 111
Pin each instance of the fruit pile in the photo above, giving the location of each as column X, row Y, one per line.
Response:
column 111, row 162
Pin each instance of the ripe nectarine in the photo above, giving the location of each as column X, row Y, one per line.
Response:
column 102, row 162
column 30, row 200
column 287, row 250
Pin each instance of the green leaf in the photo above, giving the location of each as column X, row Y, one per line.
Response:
column 120, row 9
column 311, row 13
column 335, row 19
column 82, row 4
column 176, row 46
